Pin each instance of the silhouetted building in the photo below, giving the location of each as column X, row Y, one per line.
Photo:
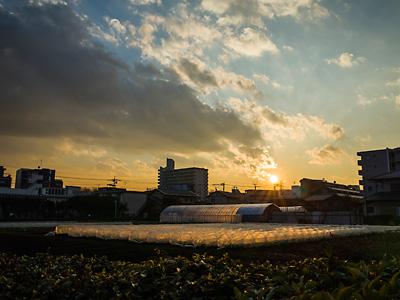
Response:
column 42, row 180
column 221, row 197
column 5, row 181
column 374, row 163
column 386, row 200
column 190, row 179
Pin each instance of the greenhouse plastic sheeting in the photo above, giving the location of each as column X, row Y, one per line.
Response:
column 219, row 234
column 231, row 213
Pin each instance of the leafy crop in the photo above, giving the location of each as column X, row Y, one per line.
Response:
column 199, row 277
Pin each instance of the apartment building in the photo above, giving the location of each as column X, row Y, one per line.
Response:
column 5, row 180
column 191, row 179
column 374, row 163
column 41, row 180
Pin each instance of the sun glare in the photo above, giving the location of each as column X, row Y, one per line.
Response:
column 274, row 179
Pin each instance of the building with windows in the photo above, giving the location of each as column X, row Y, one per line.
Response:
column 386, row 200
column 374, row 163
column 41, row 180
column 190, row 179
column 5, row 181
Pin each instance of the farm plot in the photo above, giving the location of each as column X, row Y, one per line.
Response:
column 219, row 234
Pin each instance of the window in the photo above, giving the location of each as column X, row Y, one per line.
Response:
column 369, row 188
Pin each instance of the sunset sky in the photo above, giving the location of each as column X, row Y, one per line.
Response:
column 248, row 89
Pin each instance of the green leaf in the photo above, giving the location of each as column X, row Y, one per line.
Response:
column 344, row 293
column 310, row 285
column 393, row 281
column 357, row 296
column 327, row 296
column 238, row 294
column 328, row 252
column 356, row 273
column 372, row 284
column 384, row 291
column 295, row 287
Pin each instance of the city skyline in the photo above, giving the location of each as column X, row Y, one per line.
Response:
column 245, row 89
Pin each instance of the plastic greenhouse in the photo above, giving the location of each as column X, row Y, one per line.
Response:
column 218, row 234
column 233, row 213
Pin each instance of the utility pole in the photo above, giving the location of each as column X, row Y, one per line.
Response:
column 114, row 182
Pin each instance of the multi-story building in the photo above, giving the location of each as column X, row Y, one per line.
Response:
column 374, row 163
column 5, row 181
column 41, row 180
column 191, row 179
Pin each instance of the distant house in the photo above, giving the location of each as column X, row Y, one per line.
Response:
column 135, row 201
column 221, row 197
column 386, row 200
column 335, row 203
column 161, row 198
column 277, row 197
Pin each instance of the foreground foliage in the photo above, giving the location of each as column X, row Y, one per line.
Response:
column 200, row 277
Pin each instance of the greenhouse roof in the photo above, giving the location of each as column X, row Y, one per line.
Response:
column 253, row 209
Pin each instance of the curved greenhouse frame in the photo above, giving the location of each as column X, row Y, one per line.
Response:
column 233, row 213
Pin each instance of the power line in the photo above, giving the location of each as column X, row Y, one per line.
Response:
column 79, row 178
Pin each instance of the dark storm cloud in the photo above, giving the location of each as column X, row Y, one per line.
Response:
column 56, row 81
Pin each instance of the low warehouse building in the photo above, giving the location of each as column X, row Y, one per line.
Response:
column 234, row 213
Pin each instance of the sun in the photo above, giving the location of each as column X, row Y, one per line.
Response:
column 274, row 179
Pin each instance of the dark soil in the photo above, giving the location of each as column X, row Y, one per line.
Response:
column 33, row 240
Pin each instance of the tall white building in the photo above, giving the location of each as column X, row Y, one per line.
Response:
column 374, row 163
column 191, row 179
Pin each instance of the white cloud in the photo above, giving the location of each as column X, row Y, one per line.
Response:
column 288, row 48
column 69, row 148
column 276, row 125
column 42, row 2
column 346, row 60
column 238, row 82
column 394, row 83
column 363, row 140
column 145, row 2
column 364, row 101
column 327, row 154
column 253, row 162
column 253, row 12
column 119, row 32
column 251, row 43
column 112, row 166
column 266, row 80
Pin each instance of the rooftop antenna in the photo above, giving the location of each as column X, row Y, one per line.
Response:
column 41, row 161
